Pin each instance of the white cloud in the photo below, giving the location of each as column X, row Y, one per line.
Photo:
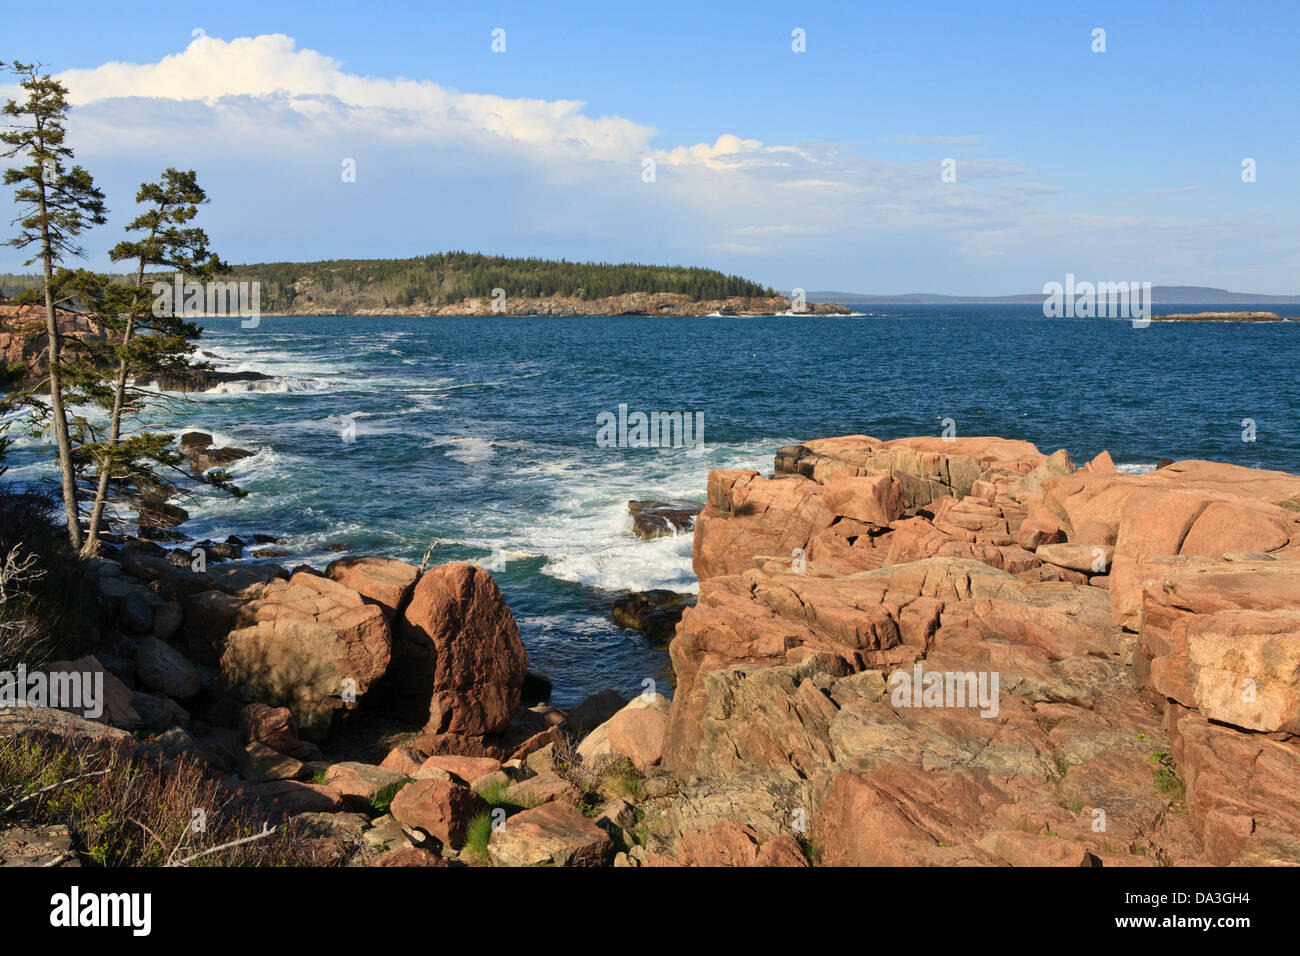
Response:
column 302, row 89
column 267, row 124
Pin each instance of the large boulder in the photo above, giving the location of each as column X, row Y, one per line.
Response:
column 1191, row 508
column 747, row 515
column 874, row 499
column 382, row 581
column 162, row 668
column 1181, row 589
column 458, row 663
column 637, row 731
column 554, row 834
column 311, row 645
column 440, row 806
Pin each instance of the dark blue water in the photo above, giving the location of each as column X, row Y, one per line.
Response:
column 480, row 433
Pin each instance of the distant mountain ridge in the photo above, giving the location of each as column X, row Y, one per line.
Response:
column 1160, row 295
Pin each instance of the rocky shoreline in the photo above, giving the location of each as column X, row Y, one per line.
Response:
column 1130, row 645
column 633, row 303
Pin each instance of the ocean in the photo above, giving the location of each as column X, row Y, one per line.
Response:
column 479, row 436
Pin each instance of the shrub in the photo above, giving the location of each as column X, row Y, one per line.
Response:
column 124, row 812
column 45, row 610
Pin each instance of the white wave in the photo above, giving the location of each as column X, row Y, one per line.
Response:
column 1134, row 468
column 287, row 383
column 470, row 451
column 585, row 532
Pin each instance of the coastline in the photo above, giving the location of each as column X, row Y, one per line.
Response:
column 789, row 739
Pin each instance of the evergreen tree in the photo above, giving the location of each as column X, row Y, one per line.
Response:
column 56, row 204
column 145, row 344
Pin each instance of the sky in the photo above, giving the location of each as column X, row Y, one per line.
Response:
column 820, row 169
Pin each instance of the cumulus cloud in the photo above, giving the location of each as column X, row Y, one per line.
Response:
column 268, row 77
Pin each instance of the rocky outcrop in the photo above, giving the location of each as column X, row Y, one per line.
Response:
column 967, row 651
column 1218, row 317
column 200, row 380
column 917, row 652
column 203, row 455
column 23, row 339
column 657, row 519
column 654, row 613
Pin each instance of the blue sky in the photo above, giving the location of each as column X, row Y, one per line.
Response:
column 819, row 170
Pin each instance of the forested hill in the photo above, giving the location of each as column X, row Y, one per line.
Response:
column 451, row 277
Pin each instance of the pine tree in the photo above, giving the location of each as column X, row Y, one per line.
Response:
column 146, row 344
column 56, row 204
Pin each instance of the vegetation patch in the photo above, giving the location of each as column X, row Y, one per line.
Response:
column 123, row 812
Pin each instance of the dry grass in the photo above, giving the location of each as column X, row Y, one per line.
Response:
column 129, row 813
column 46, row 609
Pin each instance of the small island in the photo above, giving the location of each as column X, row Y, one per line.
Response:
column 1219, row 317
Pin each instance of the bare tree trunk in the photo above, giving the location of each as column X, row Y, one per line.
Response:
column 91, row 547
column 61, row 436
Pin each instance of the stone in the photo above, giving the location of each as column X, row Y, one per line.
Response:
column 733, row 844
column 167, row 620
column 1240, row 791
column 637, row 731
column 259, row 764
column 160, row 667
column 274, row 727
column 542, row 788
column 45, row 846
column 593, row 712
column 382, row 581
column 654, row 613
column 468, row 769
column 1087, row 559
column 458, row 662
column 363, row 784
column 407, row 856
column 656, row 519
column 873, row 499
column 300, row 643
column 61, row 728
column 440, row 808
column 386, row 833
column 114, row 708
column 292, row 797
column 1238, row 667
column 136, row 612
column 554, row 834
